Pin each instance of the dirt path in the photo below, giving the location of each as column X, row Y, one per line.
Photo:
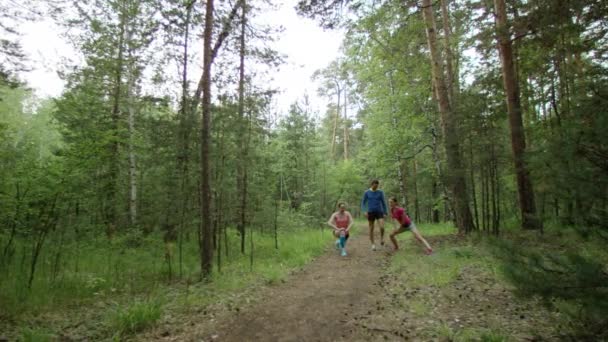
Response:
column 317, row 304
column 360, row 298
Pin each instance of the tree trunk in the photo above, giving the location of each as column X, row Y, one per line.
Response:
column 415, row 188
column 345, row 126
column 472, row 177
column 276, row 219
column 400, row 163
column 131, row 129
column 455, row 178
column 132, row 168
column 187, row 119
column 401, row 176
column 518, row 141
column 242, row 160
column 449, row 56
column 110, row 212
column 485, row 198
column 435, row 210
column 333, row 134
column 206, row 224
column 496, row 193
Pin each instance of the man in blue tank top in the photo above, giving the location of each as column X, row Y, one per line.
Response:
column 374, row 206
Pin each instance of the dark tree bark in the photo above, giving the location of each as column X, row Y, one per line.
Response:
column 472, row 178
column 206, row 225
column 456, row 177
column 525, row 191
column 241, row 180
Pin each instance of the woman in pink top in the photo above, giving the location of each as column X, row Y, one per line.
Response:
column 341, row 221
column 405, row 223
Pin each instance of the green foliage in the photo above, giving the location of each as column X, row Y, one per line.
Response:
column 130, row 275
column 36, row 335
column 571, row 277
column 135, row 318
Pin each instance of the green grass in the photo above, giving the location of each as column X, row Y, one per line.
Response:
column 435, row 229
column 470, row 334
column 481, row 334
column 444, row 265
column 558, row 246
column 134, row 318
column 419, row 307
column 130, row 275
column 36, row 335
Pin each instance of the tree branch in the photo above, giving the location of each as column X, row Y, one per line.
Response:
column 218, row 44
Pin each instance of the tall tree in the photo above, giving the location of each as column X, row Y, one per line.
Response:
column 525, row 190
column 449, row 124
column 243, row 132
column 206, row 225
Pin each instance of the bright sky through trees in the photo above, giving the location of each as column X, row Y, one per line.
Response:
column 306, row 46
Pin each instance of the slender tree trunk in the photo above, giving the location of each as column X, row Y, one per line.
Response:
column 345, row 125
column 219, row 180
column 472, row 178
column 47, row 220
column 484, row 196
column 400, row 163
column 132, row 169
column 111, row 215
column 435, row 210
column 130, row 94
column 276, row 219
column 335, row 128
column 493, row 184
column 206, row 224
column 219, row 220
column 401, row 176
column 415, row 188
column 455, row 178
column 187, row 119
column 8, row 248
column 242, row 160
column 496, row 193
column 438, row 179
column 518, row 141
column 179, row 194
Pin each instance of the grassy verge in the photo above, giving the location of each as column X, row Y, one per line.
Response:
column 115, row 289
column 459, row 293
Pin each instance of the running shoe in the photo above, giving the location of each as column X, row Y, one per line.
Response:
column 373, row 247
column 343, row 252
column 428, row 251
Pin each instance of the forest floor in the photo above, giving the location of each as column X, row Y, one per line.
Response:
column 455, row 294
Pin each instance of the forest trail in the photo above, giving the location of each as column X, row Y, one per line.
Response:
column 359, row 298
column 320, row 303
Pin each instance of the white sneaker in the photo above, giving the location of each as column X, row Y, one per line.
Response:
column 373, row 247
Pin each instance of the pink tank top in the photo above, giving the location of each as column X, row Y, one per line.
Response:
column 399, row 214
column 341, row 222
